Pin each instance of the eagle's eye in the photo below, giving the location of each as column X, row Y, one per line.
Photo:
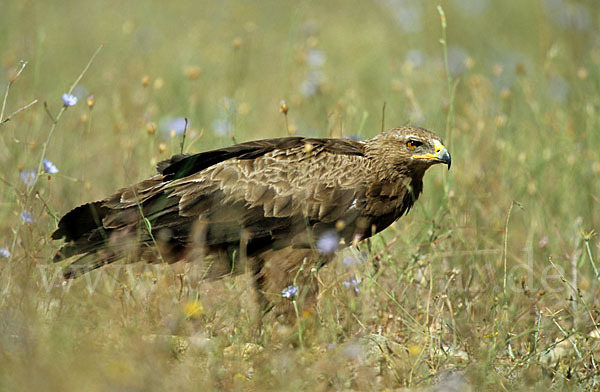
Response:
column 412, row 144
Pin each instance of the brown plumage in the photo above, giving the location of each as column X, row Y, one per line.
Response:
column 259, row 206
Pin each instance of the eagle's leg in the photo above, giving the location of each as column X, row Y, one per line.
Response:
column 286, row 283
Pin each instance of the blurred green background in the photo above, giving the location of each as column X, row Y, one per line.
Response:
column 463, row 273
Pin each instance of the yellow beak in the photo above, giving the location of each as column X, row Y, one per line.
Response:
column 440, row 155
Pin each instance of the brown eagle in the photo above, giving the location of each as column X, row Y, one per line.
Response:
column 272, row 207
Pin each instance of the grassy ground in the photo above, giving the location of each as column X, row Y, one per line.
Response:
column 489, row 283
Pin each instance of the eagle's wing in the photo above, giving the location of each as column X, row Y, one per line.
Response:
column 274, row 197
column 263, row 193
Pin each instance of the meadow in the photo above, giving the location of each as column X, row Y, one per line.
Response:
column 491, row 281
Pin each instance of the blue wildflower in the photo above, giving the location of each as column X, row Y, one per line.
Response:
column 315, row 58
column 289, row 292
column 28, row 177
column 457, row 60
column 349, row 261
column 26, row 217
column 352, row 283
column 49, row 167
column 222, row 127
column 328, row 242
column 355, row 258
column 558, row 89
column 4, row 253
column 354, row 137
column 415, row 57
column 227, row 103
column 569, row 15
column 69, row 99
column 409, row 16
column 173, row 124
column 312, row 84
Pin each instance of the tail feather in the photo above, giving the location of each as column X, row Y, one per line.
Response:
column 80, row 221
column 101, row 232
column 88, row 262
column 70, row 250
column 82, row 230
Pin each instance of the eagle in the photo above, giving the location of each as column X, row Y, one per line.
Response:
column 274, row 208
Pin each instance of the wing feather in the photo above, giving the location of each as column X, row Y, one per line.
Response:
column 282, row 188
column 268, row 189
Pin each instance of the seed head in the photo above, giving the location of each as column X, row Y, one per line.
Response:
column 91, row 101
column 192, row 72
column 283, row 107
column 150, row 128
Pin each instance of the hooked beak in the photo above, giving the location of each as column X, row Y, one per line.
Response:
column 443, row 155
column 440, row 155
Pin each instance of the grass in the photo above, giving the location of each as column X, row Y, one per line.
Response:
column 489, row 283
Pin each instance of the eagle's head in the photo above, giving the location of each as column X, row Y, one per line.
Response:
column 410, row 150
